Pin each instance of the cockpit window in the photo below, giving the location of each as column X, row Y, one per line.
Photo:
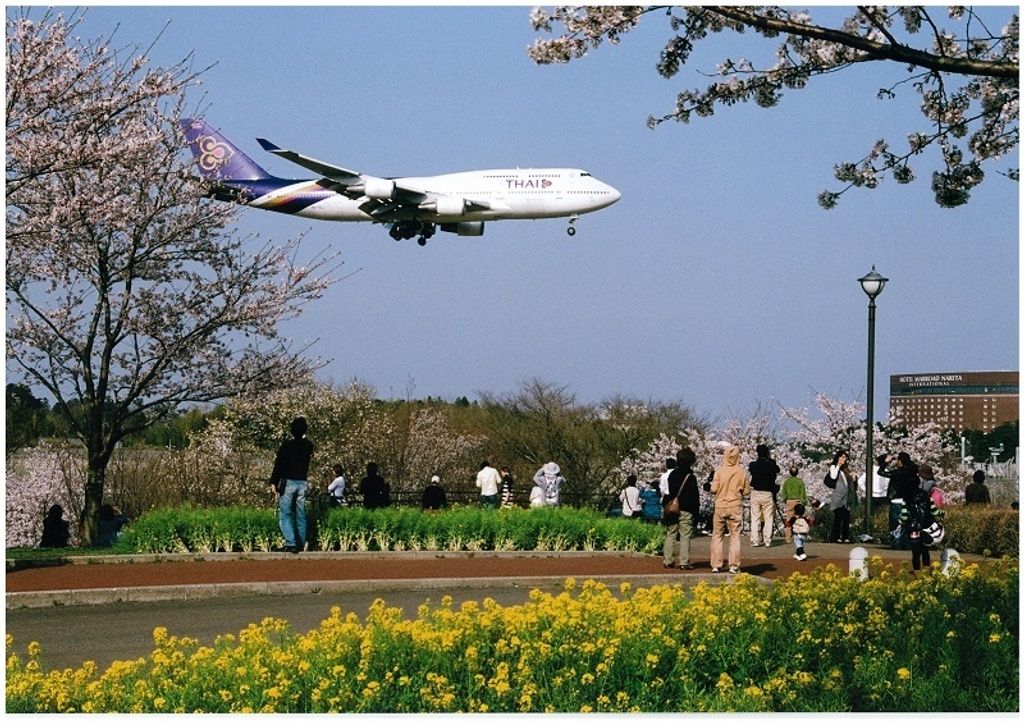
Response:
column 584, row 173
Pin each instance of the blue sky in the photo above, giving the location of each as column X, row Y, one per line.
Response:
column 716, row 280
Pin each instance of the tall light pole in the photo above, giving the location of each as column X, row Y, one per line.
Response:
column 872, row 283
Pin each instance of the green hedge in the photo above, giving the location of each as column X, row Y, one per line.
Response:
column 979, row 530
column 976, row 529
column 226, row 529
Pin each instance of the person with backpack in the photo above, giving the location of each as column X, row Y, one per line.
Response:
column 920, row 519
column 903, row 482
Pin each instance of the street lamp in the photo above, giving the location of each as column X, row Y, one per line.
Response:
column 872, row 283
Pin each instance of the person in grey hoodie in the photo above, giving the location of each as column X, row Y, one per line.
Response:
column 844, row 497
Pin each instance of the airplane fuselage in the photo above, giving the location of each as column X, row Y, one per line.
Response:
column 520, row 193
column 413, row 206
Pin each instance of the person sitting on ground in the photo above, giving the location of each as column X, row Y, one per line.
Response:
column 56, row 532
column 650, row 502
column 111, row 522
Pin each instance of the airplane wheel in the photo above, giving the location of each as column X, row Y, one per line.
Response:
column 571, row 231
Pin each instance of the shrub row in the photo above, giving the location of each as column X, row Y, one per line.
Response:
column 977, row 529
column 185, row 529
column 980, row 530
column 823, row 642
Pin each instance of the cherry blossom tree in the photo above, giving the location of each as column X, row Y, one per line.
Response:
column 37, row 478
column 965, row 72
column 806, row 437
column 433, row 446
column 128, row 293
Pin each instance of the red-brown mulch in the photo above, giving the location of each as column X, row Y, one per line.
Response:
column 307, row 568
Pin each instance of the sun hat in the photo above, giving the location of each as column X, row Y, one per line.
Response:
column 551, row 468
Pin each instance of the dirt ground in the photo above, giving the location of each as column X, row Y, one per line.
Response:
column 769, row 563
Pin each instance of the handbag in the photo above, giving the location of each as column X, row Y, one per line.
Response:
column 672, row 506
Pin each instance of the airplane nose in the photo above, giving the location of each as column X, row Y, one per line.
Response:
column 615, row 195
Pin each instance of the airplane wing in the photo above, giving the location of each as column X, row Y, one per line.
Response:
column 387, row 199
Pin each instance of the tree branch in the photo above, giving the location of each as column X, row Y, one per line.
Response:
column 874, row 50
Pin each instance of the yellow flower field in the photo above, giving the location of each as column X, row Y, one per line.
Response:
column 819, row 642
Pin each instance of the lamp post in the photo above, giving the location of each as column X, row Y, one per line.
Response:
column 872, row 283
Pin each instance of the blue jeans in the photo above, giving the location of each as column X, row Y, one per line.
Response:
column 292, row 506
column 489, row 501
column 901, row 542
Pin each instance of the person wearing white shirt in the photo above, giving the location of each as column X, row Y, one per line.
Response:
column 670, row 464
column 336, row 489
column 879, row 485
column 630, row 497
column 488, row 480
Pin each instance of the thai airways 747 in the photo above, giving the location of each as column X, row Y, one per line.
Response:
column 459, row 203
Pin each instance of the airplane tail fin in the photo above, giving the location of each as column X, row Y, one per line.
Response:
column 218, row 158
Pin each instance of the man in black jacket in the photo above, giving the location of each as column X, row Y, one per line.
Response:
column 289, row 480
column 679, row 526
column 903, row 483
column 763, row 473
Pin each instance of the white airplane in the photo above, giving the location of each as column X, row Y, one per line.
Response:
column 458, row 203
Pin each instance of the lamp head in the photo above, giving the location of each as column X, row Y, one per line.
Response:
column 872, row 283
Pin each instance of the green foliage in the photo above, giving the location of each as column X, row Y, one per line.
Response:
column 983, row 530
column 1006, row 435
column 224, row 529
column 190, row 529
column 27, row 418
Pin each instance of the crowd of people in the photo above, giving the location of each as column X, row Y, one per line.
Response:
column 915, row 502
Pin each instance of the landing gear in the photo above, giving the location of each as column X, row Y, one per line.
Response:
column 405, row 230
column 572, row 228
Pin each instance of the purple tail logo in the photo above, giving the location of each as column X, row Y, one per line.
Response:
column 212, row 155
column 216, row 156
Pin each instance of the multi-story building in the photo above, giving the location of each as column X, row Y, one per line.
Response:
column 956, row 400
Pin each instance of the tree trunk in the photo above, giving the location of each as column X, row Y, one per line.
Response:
column 90, row 529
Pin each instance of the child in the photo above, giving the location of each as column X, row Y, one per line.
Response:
column 800, row 526
column 917, row 516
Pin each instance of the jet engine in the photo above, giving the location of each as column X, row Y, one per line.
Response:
column 464, row 228
column 446, row 206
column 379, row 188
